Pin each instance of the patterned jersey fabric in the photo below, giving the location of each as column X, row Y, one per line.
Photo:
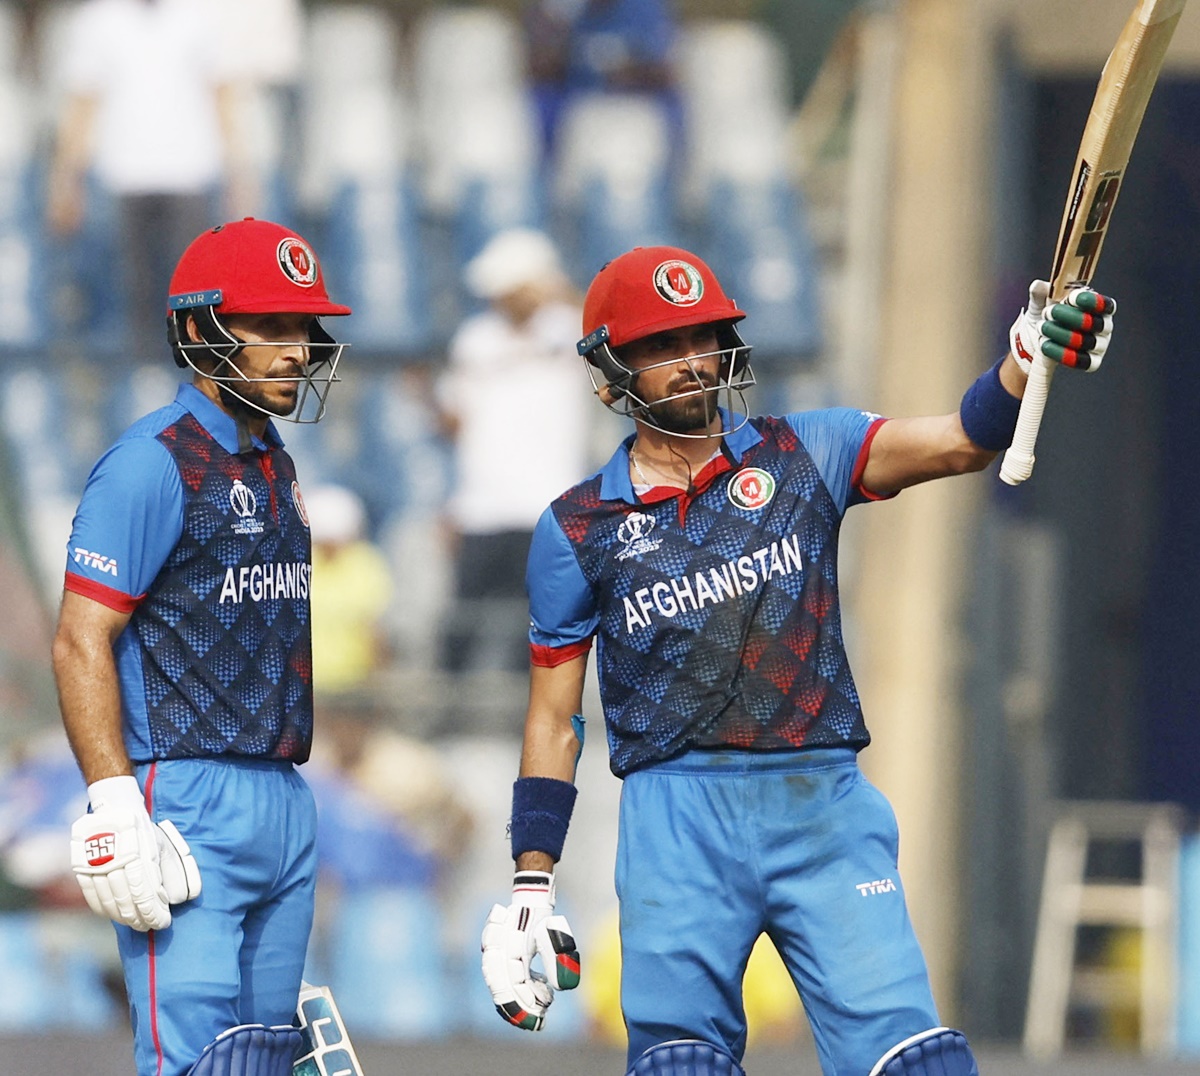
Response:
column 716, row 612
column 209, row 550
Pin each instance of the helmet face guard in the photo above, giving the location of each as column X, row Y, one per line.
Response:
column 620, row 381
column 252, row 267
column 220, row 348
column 652, row 290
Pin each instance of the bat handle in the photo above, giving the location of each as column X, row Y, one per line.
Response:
column 1018, row 460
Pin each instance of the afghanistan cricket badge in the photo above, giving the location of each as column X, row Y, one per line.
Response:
column 751, row 488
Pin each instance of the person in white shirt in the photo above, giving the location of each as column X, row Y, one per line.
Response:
column 518, row 412
column 149, row 111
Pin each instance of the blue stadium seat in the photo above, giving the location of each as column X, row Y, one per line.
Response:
column 23, row 295
column 611, row 177
column 357, row 184
column 758, row 236
column 57, row 988
column 405, row 466
column 749, row 217
column 478, row 140
column 387, row 969
column 372, row 255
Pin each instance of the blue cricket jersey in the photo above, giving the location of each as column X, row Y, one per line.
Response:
column 716, row 611
column 209, row 551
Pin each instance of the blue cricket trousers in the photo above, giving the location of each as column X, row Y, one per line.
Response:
column 234, row 955
column 717, row 847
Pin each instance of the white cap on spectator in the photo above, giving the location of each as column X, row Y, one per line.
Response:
column 510, row 260
column 335, row 514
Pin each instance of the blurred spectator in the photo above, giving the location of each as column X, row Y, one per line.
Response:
column 149, row 112
column 391, row 825
column 41, row 792
column 351, row 589
column 263, row 49
column 599, row 46
column 514, row 400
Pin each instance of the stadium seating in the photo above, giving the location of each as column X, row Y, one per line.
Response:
column 477, row 137
column 748, row 214
column 357, row 182
column 612, row 177
column 23, row 321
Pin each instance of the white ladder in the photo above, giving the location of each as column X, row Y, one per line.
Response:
column 1070, row 899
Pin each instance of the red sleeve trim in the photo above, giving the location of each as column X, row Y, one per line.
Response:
column 546, row 657
column 860, row 464
column 98, row 592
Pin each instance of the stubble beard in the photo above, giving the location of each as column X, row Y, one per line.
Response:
column 253, row 396
column 691, row 414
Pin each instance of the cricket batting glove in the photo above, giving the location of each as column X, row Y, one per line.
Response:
column 513, row 936
column 1074, row 333
column 129, row 869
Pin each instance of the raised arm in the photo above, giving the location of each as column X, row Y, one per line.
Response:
column 905, row 451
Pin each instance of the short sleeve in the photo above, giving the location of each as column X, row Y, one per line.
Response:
column 562, row 605
column 129, row 519
column 835, row 438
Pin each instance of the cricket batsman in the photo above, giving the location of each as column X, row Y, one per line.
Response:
column 702, row 560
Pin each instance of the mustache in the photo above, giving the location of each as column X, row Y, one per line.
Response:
column 691, row 382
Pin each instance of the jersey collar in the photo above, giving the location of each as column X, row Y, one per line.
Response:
column 616, row 485
column 219, row 425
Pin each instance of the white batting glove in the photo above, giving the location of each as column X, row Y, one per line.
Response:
column 513, row 936
column 180, row 873
column 117, row 854
column 1074, row 333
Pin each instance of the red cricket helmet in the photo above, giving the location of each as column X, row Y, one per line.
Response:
column 256, row 267
column 651, row 290
column 251, row 267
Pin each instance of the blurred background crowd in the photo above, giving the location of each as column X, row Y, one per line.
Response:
column 875, row 181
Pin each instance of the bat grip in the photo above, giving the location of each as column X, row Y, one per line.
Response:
column 1018, row 460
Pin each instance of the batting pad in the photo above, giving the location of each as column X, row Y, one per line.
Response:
column 250, row 1050
column 686, row 1057
column 940, row 1051
column 326, row 1050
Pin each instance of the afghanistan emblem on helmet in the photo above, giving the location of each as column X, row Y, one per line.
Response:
column 679, row 283
column 297, row 262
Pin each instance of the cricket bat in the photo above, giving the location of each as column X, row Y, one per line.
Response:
column 327, row 1050
column 1120, row 103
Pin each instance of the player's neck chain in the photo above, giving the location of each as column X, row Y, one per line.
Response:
column 638, row 467
column 665, row 477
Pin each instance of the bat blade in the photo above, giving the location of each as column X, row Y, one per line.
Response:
column 1126, row 84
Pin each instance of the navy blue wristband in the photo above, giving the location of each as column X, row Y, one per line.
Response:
column 541, row 812
column 989, row 411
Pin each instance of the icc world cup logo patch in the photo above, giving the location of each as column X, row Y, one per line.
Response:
column 298, row 263
column 751, row 488
column 679, row 283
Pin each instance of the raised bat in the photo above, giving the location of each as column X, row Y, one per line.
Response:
column 1125, row 86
